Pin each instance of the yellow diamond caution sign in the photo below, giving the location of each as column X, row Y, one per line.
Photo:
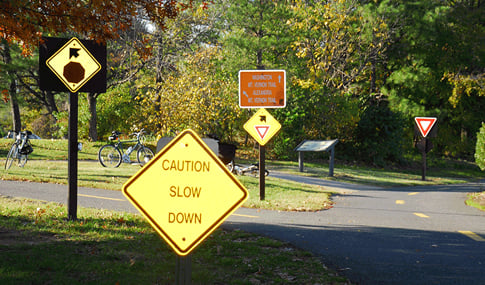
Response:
column 262, row 126
column 73, row 64
column 185, row 192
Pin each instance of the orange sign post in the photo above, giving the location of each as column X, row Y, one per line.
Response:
column 262, row 88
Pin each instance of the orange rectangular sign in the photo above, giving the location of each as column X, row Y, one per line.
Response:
column 262, row 88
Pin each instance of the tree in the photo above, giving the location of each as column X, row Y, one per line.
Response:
column 257, row 29
column 435, row 68
column 10, row 82
column 183, row 86
column 24, row 22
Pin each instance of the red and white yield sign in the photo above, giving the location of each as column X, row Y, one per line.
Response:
column 425, row 124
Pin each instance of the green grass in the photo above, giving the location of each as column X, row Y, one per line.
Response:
column 280, row 194
column 48, row 163
column 438, row 173
column 39, row 246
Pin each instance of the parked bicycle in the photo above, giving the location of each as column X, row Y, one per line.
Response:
column 112, row 154
column 252, row 169
column 20, row 149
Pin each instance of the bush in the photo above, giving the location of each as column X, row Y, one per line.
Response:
column 44, row 126
column 379, row 135
column 480, row 148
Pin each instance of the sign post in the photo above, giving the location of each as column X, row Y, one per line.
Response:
column 72, row 157
column 426, row 127
column 67, row 65
column 262, row 127
column 262, row 89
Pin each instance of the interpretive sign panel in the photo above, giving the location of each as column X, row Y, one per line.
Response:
column 311, row 145
column 185, row 192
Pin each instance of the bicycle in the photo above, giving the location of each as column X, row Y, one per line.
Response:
column 20, row 149
column 110, row 155
column 252, row 170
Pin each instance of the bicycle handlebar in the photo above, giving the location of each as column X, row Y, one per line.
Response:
column 116, row 134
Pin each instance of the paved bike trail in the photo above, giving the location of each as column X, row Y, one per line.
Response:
column 407, row 235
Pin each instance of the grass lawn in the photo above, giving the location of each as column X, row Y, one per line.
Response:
column 39, row 246
column 48, row 163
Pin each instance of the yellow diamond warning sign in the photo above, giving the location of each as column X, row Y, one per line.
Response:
column 73, row 64
column 262, row 126
column 185, row 192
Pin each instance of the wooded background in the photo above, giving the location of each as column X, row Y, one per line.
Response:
column 359, row 71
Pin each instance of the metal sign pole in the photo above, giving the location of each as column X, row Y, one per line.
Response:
column 332, row 161
column 262, row 181
column 72, row 157
column 423, row 175
column 184, row 270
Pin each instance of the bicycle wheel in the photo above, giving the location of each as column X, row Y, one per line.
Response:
column 109, row 156
column 255, row 172
column 144, row 154
column 12, row 154
column 230, row 166
column 23, row 159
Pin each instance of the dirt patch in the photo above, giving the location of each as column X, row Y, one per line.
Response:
column 14, row 237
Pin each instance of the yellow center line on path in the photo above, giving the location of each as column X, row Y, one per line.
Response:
column 421, row 215
column 246, row 216
column 99, row 197
column 413, row 193
column 400, row 202
column 472, row 235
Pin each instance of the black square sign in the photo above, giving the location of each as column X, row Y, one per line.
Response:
column 50, row 80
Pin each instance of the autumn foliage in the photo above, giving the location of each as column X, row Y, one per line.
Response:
column 24, row 22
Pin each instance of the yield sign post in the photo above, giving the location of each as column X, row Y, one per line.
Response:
column 425, row 126
column 262, row 127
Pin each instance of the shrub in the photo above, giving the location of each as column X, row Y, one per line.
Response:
column 480, row 148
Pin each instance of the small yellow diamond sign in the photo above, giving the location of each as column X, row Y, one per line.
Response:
column 73, row 64
column 185, row 192
column 262, row 126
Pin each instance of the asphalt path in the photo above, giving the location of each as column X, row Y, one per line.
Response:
column 407, row 235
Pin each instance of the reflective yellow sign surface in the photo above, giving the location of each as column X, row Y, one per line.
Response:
column 73, row 64
column 185, row 192
column 262, row 126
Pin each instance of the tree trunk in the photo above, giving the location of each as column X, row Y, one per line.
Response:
column 14, row 104
column 93, row 131
column 51, row 102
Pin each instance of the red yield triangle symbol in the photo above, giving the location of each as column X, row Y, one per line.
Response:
column 425, row 124
column 262, row 131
